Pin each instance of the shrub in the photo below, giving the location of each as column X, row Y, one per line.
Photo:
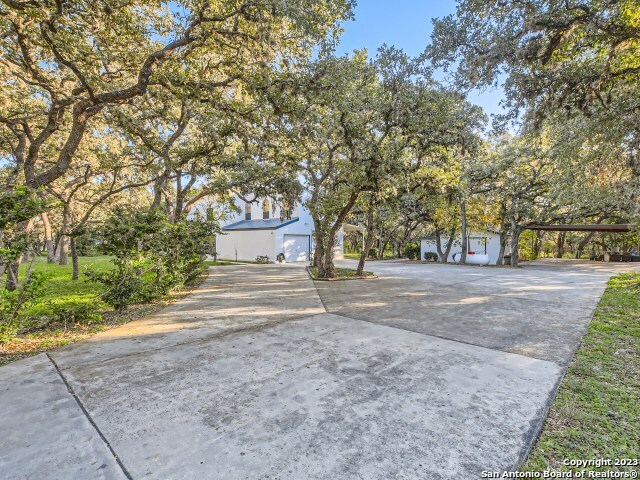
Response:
column 412, row 251
column 152, row 255
column 181, row 248
column 124, row 284
column 431, row 256
column 83, row 309
column 14, row 303
column 373, row 253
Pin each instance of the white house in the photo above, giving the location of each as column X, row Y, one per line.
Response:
column 258, row 230
column 481, row 242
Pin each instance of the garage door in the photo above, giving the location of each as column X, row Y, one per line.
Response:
column 296, row 248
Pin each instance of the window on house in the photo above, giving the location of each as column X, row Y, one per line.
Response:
column 265, row 209
column 247, row 211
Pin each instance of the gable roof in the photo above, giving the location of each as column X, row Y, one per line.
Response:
column 259, row 224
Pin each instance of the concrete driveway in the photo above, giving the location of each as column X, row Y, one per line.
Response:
column 428, row 372
column 541, row 310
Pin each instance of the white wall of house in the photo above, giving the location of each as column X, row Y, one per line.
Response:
column 246, row 244
column 477, row 240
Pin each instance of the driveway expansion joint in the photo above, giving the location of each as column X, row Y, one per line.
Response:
column 88, row 417
column 430, row 334
column 563, row 367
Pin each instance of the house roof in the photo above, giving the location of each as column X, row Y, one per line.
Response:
column 259, row 224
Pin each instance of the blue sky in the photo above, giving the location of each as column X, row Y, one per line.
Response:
column 407, row 25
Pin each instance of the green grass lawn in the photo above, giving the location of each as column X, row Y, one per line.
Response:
column 342, row 273
column 596, row 413
column 220, row 263
column 59, row 289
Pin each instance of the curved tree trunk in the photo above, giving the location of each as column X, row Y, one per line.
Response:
column 27, row 232
column 383, row 249
column 441, row 257
column 449, row 245
column 329, row 269
column 368, row 242
column 583, row 243
column 12, row 276
column 516, row 230
column 12, row 268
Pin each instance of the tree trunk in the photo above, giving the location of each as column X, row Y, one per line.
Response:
column 368, row 242
column 12, row 268
column 48, row 238
column 449, row 245
column 12, row 276
column 179, row 203
column 504, row 234
column 158, row 188
column 382, row 250
column 2, row 265
column 561, row 238
column 63, row 246
column 583, row 243
column 465, row 243
column 63, row 250
column 74, row 259
column 537, row 244
column 515, row 240
column 318, row 249
column 27, row 235
column 328, row 266
column 441, row 257
column 318, row 257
